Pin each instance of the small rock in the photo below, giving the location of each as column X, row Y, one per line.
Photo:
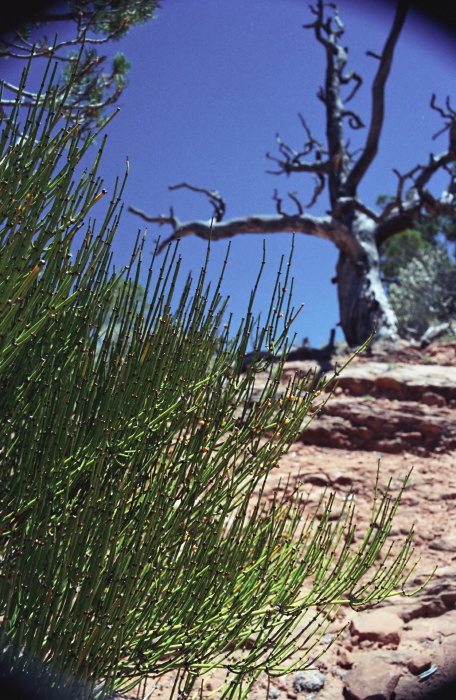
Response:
column 328, row 638
column 419, row 663
column 377, row 626
column 345, row 659
column 424, row 608
column 371, row 679
column 430, row 398
column 308, row 681
column 445, row 544
column 273, row 693
column 409, row 687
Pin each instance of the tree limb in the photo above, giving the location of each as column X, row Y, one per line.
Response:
column 319, row 187
column 444, row 159
column 353, row 203
column 418, row 201
column 322, row 227
column 354, row 120
column 42, row 51
column 295, row 199
column 291, row 160
column 378, row 100
column 394, row 224
column 351, row 75
column 215, row 198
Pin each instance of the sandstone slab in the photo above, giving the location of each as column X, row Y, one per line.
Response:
column 371, row 679
column 377, row 626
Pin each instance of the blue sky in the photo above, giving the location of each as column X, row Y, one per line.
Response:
column 213, row 81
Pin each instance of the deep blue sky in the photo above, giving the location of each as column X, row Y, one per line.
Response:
column 212, row 81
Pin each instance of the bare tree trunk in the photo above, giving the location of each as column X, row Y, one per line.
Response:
column 363, row 304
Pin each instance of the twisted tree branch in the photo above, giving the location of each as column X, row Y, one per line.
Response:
column 214, row 197
column 322, row 227
column 378, row 99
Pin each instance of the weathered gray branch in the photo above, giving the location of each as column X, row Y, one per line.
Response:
column 294, row 165
column 328, row 32
column 394, row 224
column 322, row 227
column 351, row 75
column 378, row 100
column 215, row 198
column 417, row 201
column 351, row 203
column 291, row 162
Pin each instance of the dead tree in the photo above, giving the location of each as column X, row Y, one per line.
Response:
column 356, row 230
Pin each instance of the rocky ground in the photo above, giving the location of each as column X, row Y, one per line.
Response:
column 399, row 407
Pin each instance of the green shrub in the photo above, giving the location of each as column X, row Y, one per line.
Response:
column 425, row 292
column 132, row 444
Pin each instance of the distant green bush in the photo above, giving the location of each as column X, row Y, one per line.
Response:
column 425, row 292
column 133, row 535
column 419, row 273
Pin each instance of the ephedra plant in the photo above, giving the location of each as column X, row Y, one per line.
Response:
column 132, row 445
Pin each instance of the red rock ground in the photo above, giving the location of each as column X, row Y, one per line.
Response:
column 382, row 652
